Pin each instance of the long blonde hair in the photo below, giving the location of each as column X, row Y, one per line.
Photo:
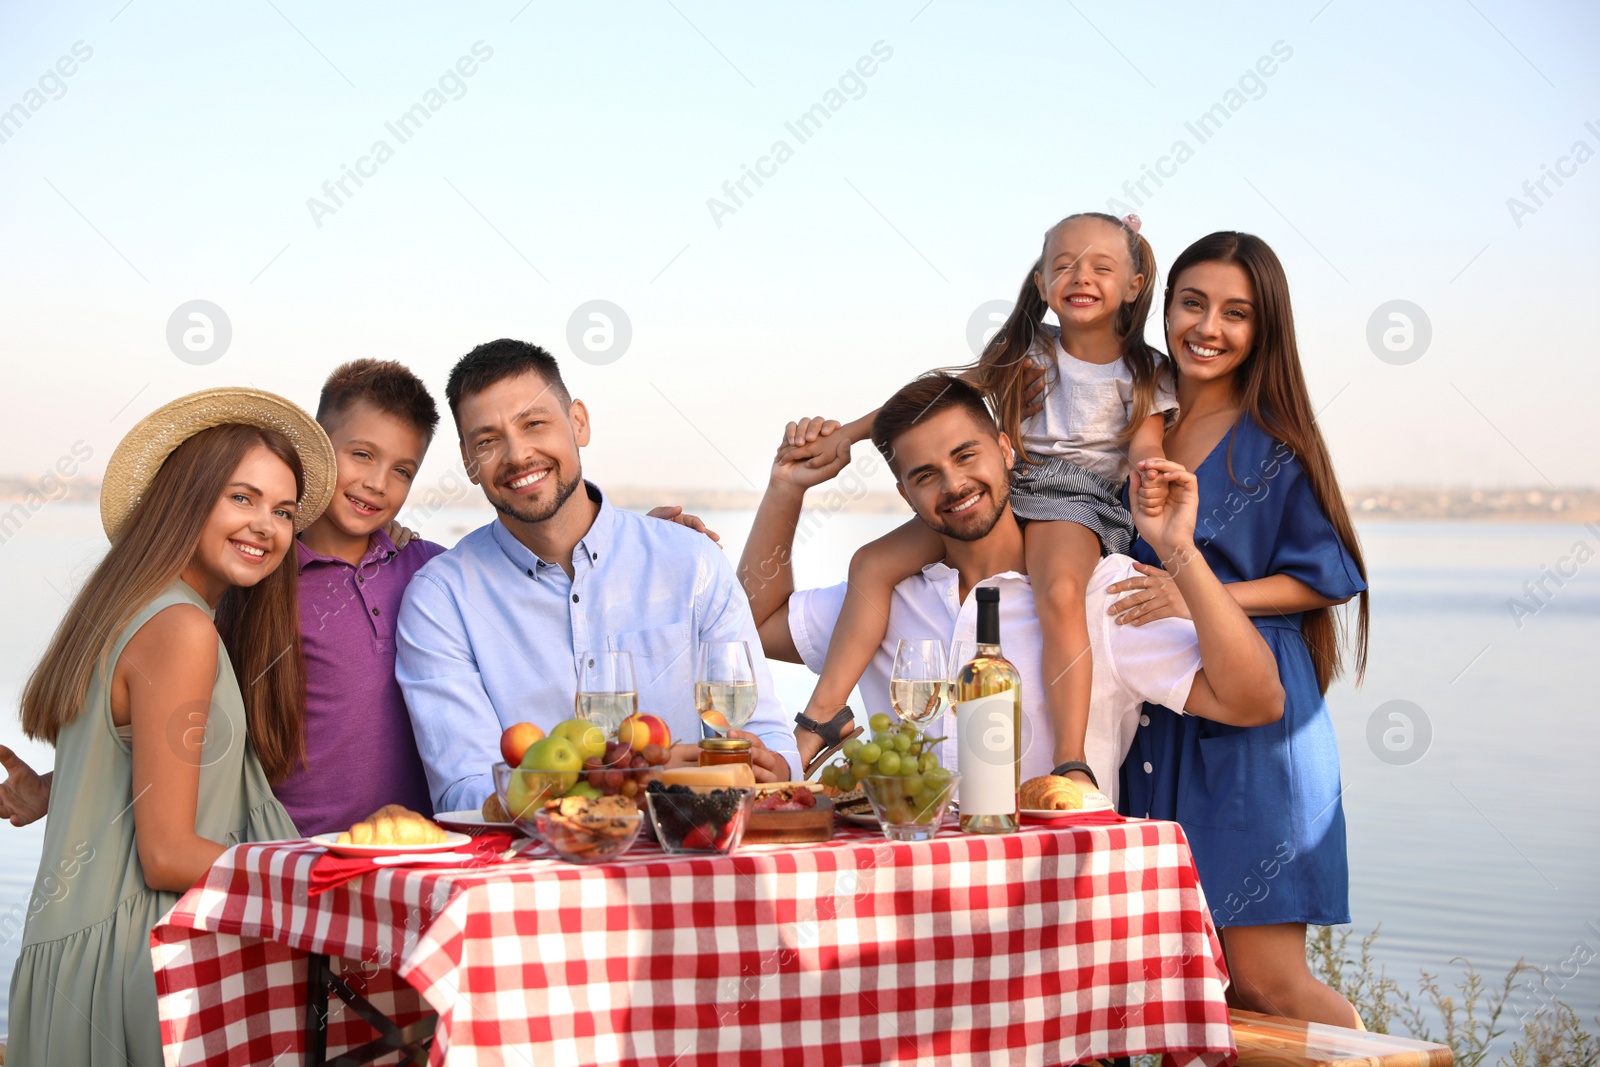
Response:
column 1000, row 370
column 260, row 626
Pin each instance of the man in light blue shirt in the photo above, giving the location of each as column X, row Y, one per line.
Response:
column 491, row 632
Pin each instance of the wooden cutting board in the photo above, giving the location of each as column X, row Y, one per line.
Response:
column 779, row 827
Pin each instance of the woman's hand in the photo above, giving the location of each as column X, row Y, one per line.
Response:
column 1150, row 597
column 25, row 794
column 1034, row 374
column 1171, row 531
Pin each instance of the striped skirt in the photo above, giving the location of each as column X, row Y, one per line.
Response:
column 1056, row 489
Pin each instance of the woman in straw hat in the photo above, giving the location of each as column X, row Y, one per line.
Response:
column 171, row 690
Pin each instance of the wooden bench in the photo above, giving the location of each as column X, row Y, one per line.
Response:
column 1268, row 1041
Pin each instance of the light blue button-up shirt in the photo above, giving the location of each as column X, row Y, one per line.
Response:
column 490, row 635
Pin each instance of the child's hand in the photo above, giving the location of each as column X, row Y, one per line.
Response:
column 806, row 431
column 812, row 451
column 1152, row 494
column 1171, row 532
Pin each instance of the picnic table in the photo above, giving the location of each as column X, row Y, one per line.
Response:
column 1052, row 945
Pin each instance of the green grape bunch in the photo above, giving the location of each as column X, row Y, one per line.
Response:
column 891, row 750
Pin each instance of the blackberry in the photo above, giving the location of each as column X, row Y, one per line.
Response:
column 722, row 805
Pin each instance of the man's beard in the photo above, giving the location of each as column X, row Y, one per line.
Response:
column 975, row 528
column 532, row 511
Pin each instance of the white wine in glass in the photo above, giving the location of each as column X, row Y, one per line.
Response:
column 606, row 691
column 725, row 686
column 918, row 682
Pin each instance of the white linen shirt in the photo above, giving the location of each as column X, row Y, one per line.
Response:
column 1156, row 662
column 490, row 635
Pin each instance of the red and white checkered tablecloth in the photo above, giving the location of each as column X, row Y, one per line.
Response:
column 1042, row 947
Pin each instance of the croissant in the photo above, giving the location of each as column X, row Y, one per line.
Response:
column 393, row 825
column 1050, row 793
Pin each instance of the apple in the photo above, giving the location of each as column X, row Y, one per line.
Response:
column 639, row 730
column 525, row 794
column 587, row 738
column 554, row 754
column 515, row 741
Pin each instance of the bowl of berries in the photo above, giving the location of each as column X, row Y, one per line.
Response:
column 697, row 818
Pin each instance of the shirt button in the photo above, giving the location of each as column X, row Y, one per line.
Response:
column 1147, row 768
column 359, row 578
column 1144, row 720
column 530, row 572
column 574, row 598
column 374, row 611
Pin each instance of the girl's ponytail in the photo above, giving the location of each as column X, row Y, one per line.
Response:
column 1001, row 367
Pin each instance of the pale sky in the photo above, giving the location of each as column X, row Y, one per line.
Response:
column 576, row 162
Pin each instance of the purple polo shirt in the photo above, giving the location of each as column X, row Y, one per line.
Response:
column 360, row 751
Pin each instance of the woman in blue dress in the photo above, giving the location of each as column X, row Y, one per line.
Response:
column 1261, row 804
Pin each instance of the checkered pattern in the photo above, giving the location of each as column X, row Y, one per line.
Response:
column 1047, row 946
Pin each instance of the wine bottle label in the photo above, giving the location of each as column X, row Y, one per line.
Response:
column 986, row 752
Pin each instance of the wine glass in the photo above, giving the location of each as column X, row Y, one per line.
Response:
column 725, row 686
column 919, row 680
column 606, row 691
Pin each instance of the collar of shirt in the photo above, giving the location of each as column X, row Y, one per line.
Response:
column 379, row 548
column 595, row 542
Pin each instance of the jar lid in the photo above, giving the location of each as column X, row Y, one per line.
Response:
column 725, row 744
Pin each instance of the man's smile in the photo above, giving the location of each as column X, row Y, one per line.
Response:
column 528, row 480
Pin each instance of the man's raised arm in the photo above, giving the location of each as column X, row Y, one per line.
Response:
column 764, row 569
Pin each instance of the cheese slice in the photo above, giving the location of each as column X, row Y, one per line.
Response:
column 728, row 775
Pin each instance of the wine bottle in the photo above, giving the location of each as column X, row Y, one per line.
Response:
column 988, row 707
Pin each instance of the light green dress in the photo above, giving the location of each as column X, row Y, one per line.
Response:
column 84, row 989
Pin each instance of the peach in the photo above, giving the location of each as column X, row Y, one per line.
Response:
column 517, row 739
column 639, row 730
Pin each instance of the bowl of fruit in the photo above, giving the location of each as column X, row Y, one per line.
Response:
column 698, row 819
column 522, row 793
column 901, row 753
column 574, row 760
column 910, row 807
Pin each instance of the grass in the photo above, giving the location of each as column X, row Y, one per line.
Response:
column 1471, row 1015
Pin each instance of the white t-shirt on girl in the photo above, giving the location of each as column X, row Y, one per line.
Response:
column 1086, row 408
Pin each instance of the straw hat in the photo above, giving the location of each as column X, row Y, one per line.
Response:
column 147, row 446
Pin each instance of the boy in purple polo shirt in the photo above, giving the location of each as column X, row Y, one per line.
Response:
column 360, row 751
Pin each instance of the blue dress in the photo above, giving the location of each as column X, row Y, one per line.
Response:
column 1259, row 804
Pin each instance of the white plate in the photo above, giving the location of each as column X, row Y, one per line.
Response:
column 1091, row 802
column 451, row 842
column 473, row 824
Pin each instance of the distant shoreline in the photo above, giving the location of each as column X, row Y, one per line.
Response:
column 1404, row 504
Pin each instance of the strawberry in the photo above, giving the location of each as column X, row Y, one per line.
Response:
column 700, row 838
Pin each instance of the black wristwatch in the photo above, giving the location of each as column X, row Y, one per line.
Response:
column 1076, row 765
column 829, row 731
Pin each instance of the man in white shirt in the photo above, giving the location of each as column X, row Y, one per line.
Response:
column 952, row 466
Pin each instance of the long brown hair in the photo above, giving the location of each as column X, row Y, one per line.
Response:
column 1001, row 369
column 260, row 626
column 1272, row 390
